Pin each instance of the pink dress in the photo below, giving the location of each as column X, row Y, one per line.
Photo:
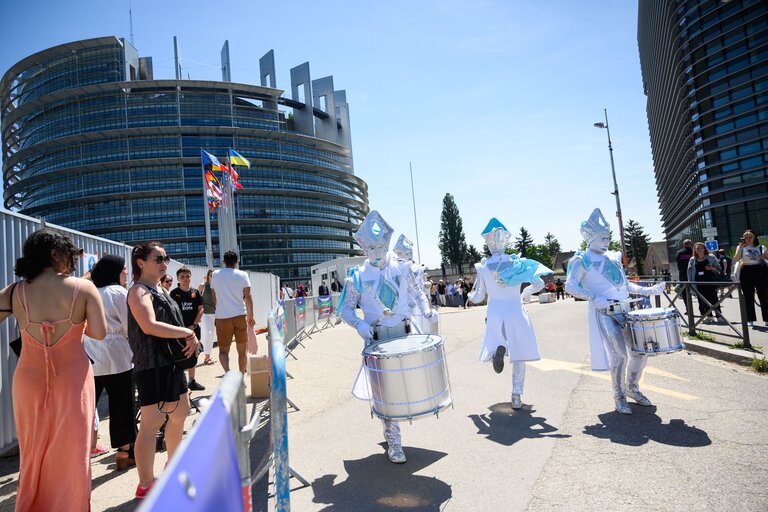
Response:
column 53, row 404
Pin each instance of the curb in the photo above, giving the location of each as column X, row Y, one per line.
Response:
column 722, row 352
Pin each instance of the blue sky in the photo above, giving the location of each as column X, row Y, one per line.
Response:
column 491, row 101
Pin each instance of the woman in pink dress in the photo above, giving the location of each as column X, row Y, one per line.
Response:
column 53, row 392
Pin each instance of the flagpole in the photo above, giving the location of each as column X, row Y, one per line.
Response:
column 416, row 222
column 207, row 217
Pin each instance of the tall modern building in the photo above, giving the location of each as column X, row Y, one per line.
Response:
column 91, row 141
column 705, row 74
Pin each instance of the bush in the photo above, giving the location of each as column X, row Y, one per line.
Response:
column 760, row 365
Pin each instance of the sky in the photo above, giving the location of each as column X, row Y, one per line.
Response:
column 493, row 102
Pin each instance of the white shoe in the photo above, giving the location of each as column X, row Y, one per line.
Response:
column 622, row 407
column 517, row 402
column 638, row 397
column 396, row 454
column 750, row 324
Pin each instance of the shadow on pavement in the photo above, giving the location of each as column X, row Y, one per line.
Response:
column 507, row 426
column 375, row 484
column 643, row 426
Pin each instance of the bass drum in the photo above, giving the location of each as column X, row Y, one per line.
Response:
column 408, row 377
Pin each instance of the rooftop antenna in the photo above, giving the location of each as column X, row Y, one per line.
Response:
column 130, row 20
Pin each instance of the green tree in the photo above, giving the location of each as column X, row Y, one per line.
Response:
column 486, row 251
column 552, row 244
column 473, row 256
column 451, row 240
column 523, row 242
column 636, row 241
column 541, row 254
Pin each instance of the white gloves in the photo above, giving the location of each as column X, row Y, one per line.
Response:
column 658, row 288
column 432, row 315
column 601, row 302
column 364, row 330
column 525, row 296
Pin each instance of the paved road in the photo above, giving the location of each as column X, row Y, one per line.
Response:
column 701, row 447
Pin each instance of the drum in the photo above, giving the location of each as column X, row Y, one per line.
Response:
column 655, row 331
column 408, row 377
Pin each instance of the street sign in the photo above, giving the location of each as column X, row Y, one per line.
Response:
column 709, row 232
column 711, row 245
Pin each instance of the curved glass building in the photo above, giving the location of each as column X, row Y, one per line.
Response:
column 92, row 142
column 705, row 74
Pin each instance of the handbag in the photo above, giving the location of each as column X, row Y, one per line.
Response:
column 173, row 348
column 737, row 272
column 16, row 343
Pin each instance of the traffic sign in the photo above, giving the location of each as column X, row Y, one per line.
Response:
column 711, row 245
column 709, row 232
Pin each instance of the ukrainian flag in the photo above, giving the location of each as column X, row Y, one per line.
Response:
column 236, row 158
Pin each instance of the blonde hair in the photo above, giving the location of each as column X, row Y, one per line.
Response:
column 754, row 237
column 702, row 244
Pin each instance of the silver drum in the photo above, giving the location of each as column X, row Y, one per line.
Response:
column 655, row 331
column 408, row 377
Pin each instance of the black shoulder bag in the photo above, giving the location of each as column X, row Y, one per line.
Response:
column 14, row 344
column 173, row 348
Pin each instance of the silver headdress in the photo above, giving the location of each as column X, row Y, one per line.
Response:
column 403, row 248
column 373, row 231
column 595, row 226
column 496, row 236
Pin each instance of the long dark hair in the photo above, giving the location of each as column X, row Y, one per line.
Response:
column 107, row 270
column 36, row 254
column 140, row 252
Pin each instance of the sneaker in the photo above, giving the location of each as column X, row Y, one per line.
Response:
column 396, row 454
column 195, row 386
column 517, row 402
column 142, row 492
column 622, row 407
column 498, row 359
column 99, row 450
column 638, row 397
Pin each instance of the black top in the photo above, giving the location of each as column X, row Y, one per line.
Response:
column 144, row 346
column 702, row 274
column 683, row 255
column 189, row 302
column 322, row 290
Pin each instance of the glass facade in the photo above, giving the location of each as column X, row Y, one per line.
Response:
column 705, row 73
column 87, row 145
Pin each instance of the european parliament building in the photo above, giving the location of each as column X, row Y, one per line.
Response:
column 91, row 141
column 705, row 74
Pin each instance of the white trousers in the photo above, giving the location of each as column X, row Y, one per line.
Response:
column 208, row 332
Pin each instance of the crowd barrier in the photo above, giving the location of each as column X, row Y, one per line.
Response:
column 305, row 316
column 14, row 230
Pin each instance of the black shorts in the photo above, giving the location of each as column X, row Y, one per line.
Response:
column 165, row 384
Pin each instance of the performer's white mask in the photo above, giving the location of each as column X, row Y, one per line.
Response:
column 373, row 237
column 596, row 232
column 377, row 254
column 403, row 248
column 496, row 236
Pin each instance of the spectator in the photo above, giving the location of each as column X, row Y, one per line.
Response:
column 551, row 287
column 323, row 289
column 441, row 291
column 208, row 322
column 166, row 282
column 234, row 310
column 286, row 292
column 754, row 275
column 464, row 290
column 682, row 258
column 335, row 286
column 191, row 304
column 559, row 289
column 153, row 318
column 726, row 263
column 112, row 367
column 704, row 268
column 53, row 392
column 300, row 291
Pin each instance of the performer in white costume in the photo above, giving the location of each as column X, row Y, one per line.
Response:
column 403, row 249
column 508, row 329
column 384, row 288
column 598, row 276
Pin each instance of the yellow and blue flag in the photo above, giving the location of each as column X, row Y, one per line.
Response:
column 236, row 158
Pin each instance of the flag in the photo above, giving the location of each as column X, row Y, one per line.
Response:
column 209, row 159
column 213, row 186
column 232, row 172
column 236, row 159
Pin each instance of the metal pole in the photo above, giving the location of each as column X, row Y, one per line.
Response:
column 616, row 191
column 207, row 217
column 416, row 222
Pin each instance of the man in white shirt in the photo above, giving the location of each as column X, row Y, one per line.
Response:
column 234, row 310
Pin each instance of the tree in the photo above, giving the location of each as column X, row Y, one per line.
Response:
column 636, row 244
column 523, row 242
column 486, row 251
column 541, row 254
column 472, row 255
column 552, row 244
column 451, row 240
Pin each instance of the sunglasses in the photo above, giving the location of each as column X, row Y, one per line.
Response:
column 168, row 281
column 162, row 259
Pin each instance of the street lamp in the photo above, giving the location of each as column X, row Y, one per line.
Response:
column 615, row 186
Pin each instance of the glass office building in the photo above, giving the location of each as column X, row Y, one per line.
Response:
column 705, row 74
column 92, row 142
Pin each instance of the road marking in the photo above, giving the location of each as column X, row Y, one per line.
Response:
column 552, row 364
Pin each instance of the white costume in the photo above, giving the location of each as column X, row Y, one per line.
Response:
column 384, row 288
column 598, row 276
column 508, row 329
column 403, row 249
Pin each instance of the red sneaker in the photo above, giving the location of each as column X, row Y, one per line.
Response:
column 142, row 492
column 98, row 450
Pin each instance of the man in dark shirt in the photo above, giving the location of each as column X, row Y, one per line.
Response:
column 683, row 255
column 191, row 304
column 323, row 289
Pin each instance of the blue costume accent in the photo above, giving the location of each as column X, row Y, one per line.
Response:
column 493, row 224
column 522, row 270
column 355, row 275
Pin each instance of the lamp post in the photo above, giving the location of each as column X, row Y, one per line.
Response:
column 615, row 187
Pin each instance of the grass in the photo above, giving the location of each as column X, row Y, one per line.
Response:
column 760, row 365
column 740, row 344
column 703, row 336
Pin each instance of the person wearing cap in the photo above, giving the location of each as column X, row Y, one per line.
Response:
column 508, row 330
column 597, row 275
column 384, row 288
